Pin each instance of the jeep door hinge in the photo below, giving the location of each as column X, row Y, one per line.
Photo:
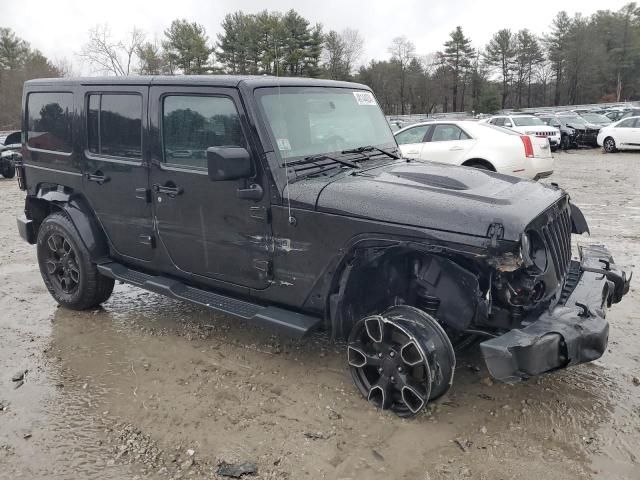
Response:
column 143, row 194
column 495, row 233
column 263, row 266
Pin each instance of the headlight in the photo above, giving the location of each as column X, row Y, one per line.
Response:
column 533, row 250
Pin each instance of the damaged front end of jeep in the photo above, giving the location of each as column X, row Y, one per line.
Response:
column 547, row 309
column 535, row 307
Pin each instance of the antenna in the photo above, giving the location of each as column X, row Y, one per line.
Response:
column 292, row 220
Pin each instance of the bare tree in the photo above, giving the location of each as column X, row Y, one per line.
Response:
column 402, row 51
column 353, row 47
column 109, row 55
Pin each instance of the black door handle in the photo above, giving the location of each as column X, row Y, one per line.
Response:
column 98, row 177
column 254, row 192
column 169, row 189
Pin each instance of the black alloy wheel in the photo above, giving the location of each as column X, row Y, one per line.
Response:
column 401, row 359
column 61, row 264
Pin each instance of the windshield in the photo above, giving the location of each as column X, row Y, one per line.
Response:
column 527, row 121
column 596, row 118
column 307, row 121
column 576, row 121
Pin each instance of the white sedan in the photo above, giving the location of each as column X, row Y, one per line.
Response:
column 622, row 135
column 479, row 145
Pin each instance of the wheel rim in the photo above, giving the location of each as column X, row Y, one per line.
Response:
column 61, row 264
column 609, row 145
column 397, row 362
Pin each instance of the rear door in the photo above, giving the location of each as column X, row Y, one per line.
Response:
column 116, row 166
column 411, row 140
column 208, row 228
column 447, row 143
column 625, row 132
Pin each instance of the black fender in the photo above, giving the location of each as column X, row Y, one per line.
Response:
column 578, row 222
column 82, row 217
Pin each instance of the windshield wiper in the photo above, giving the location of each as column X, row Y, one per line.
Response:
column 322, row 156
column 371, row 148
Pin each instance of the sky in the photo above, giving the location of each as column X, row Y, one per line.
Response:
column 59, row 27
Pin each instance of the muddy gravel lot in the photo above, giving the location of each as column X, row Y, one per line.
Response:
column 147, row 387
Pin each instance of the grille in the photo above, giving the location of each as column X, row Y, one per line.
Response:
column 557, row 235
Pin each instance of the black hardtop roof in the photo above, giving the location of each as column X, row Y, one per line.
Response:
column 252, row 81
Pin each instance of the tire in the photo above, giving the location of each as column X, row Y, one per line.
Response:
column 401, row 359
column 479, row 166
column 8, row 170
column 65, row 265
column 609, row 145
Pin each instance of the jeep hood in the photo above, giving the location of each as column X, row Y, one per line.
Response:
column 441, row 197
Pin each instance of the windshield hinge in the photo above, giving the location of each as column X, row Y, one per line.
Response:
column 495, row 233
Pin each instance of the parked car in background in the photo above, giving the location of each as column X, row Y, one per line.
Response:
column 632, row 112
column 595, row 118
column 567, row 135
column 529, row 125
column 479, row 145
column 576, row 130
column 9, row 153
column 622, row 135
column 614, row 115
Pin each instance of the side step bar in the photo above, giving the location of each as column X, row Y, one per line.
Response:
column 292, row 323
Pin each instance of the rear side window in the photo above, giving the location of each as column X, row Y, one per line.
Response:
column 628, row 123
column 191, row 124
column 412, row 135
column 49, row 121
column 447, row 133
column 114, row 125
column 499, row 121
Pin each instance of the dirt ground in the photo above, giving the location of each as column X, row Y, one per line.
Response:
column 152, row 388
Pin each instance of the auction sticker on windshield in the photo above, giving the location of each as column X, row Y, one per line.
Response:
column 283, row 144
column 364, row 98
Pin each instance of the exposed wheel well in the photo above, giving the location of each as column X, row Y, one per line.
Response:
column 373, row 279
column 479, row 162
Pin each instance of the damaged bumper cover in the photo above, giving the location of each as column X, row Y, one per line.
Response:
column 574, row 331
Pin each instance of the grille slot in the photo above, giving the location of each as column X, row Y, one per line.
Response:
column 557, row 235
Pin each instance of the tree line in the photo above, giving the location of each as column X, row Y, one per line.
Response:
column 580, row 59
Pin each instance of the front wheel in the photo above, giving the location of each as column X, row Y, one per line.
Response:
column 68, row 273
column 8, row 170
column 401, row 359
column 609, row 145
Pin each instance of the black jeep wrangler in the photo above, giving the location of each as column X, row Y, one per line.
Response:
column 286, row 202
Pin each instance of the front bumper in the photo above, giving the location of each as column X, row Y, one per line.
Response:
column 574, row 331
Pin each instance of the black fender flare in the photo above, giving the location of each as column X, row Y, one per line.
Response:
column 578, row 222
column 80, row 214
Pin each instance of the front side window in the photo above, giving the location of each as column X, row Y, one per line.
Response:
column 499, row 121
column 114, row 125
column 191, row 124
column 49, row 121
column 412, row 135
column 448, row 133
column 307, row 121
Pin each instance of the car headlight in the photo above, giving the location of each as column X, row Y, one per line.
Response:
column 533, row 250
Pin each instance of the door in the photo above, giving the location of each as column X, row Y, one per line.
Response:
column 411, row 140
column 212, row 229
column 447, row 143
column 626, row 132
column 116, row 168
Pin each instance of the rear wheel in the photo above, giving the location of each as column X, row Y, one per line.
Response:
column 609, row 145
column 72, row 280
column 401, row 359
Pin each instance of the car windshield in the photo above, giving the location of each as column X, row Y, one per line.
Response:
column 527, row 121
column 307, row 121
column 577, row 121
column 595, row 118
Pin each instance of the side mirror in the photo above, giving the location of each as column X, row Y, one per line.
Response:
column 228, row 163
